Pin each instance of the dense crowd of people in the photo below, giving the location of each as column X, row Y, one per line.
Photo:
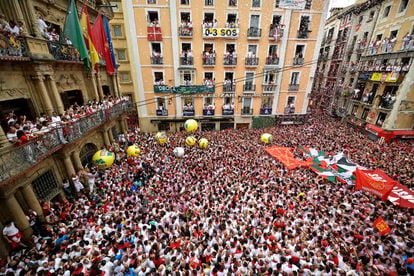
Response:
column 228, row 210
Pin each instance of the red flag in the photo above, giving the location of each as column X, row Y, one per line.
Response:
column 402, row 196
column 374, row 181
column 101, row 44
column 382, row 227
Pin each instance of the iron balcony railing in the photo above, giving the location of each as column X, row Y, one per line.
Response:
column 12, row 46
column 247, row 111
column 304, row 33
column 254, row 32
column 275, row 31
column 15, row 160
column 227, row 111
column 229, row 87
column 209, row 60
column 251, row 61
column 298, row 61
column 162, row 112
column 188, row 112
column 293, row 87
column 269, row 87
column 272, row 61
column 185, row 31
column 208, row 112
column 61, row 51
column 230, row 61
column 157, row 60
column 265, row 111
column 186, row 61
column 249, row 87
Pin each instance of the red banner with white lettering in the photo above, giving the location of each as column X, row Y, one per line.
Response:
column 376, row 182
column 381, row 225
column 402, row 196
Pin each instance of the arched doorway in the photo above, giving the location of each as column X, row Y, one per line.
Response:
column 106, row 90
column 86, row 153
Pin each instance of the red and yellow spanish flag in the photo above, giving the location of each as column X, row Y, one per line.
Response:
column 86, row 29
column 382, row 226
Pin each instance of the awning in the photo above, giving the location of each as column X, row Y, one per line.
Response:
column 404, row 133
column 374, row 129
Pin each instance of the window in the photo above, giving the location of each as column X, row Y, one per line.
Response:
column 156, row 49
column 255, row 3
column 304, row 27
column 276, row 20
column 233, row 3
column 290, row 105
column 232, row 19
column 208, row 2
column 187, row 77
column 124, row 77
column 403, row 6
column 117, row 30
column 45, row 186
column 371, row 16
column 159, row 78
column 252, row 50
column 294, row 78
column 272, row 51
column 152, row 18
column 121, row 54
column 381, row 118
column 249, row 81
column 255, row 21
column 386, row 11
column 209, row 19
column 185, row 2
column 277, row 3
column 379, row 36
column 208, row 75
column 365, row 113
column 269, row 77
column 150, row 2
column 308, row 4
column 161, row 104
column 393, row 34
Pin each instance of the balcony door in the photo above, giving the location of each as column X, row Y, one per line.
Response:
column 71, row 97
column 247, row 104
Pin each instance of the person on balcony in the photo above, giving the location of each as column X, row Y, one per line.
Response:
column 12, row 134
column 43, row 27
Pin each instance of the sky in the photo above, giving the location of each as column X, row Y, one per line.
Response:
column 339, row 3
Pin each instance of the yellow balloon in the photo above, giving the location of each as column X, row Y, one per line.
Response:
column 190, row 125
column 190, row 141
column 266, row 138
column 203, row 143
column 161, row 138
column 103, row 159
column 133, row 151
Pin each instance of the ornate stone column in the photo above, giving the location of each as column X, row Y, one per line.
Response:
column 106, row 138
column 99, row 85
column 91, row 75
column 56, row 96
column 28, row 6
column 31, row 200
column 70, row 170
column 41, row 89
column 111, row 135
column 12, row 207
column 124, row 128
column 77, row 161
column 115, row 84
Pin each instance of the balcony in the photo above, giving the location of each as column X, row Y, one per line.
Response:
column 208, row 111
column 269, row 87
column 303, row 34
column 293, row 87
column 209, row 60
column 227, row 111
column 62, row 51
column 186, row 61
column 185, row 31
column 276, row 32
column 272, row 61
column 230, row 61
column 249, row 87
column 13, row 47
column 229, row 87
column 15, row 160
column 162, row 112
column 188, row 111
column 157, row 60
column 251, row 61
column 298, row 61
column 246, row 111
column 254, row 33
column 154, row 33
column 266, row 111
